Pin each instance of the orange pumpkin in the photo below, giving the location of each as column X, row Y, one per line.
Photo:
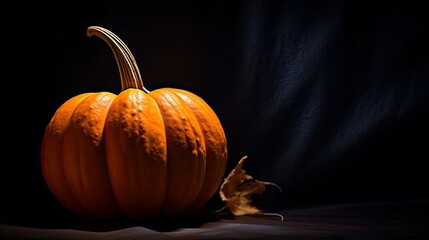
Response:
column 137, row 154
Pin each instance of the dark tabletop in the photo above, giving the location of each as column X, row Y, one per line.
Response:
column 406, row 219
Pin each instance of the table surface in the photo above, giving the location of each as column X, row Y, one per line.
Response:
column 406, row 219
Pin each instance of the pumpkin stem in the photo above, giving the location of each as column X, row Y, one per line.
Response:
column 128, row 69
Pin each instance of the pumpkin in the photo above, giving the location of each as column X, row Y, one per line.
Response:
column 138, row 153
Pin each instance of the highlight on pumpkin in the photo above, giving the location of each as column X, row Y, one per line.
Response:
column 136, row 154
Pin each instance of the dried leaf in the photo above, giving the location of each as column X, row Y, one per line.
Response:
column 237, row 190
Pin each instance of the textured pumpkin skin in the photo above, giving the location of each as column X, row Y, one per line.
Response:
column 135, row 154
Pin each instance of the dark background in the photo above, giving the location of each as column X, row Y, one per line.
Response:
column 329, row 99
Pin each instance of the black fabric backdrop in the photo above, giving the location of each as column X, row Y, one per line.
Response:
column 329, row 99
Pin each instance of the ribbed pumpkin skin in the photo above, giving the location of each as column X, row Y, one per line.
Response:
column 135, row 154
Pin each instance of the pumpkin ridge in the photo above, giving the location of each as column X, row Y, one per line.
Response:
column 51, row 158
column 186, row 154
column 135, row 146
column 215, row 140
column 84, row 157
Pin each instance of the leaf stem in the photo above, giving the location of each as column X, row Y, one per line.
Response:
column 275, row 185
column 273, row 214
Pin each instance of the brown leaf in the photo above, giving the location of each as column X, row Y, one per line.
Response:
column 237, row 190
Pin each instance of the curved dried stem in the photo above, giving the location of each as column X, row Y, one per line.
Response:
column 128, row 69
